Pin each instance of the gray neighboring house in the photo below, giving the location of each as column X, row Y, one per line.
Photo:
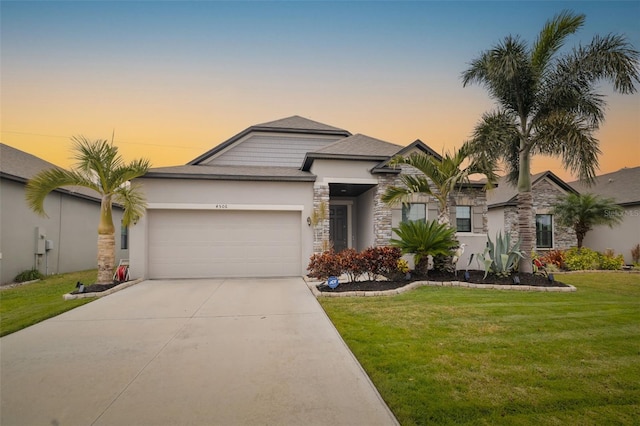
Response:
column 66, row 241
column 546, row 187
column 624, row 187
column 244, row 208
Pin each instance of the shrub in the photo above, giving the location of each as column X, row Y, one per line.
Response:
column 29, row 275
column 554, row 257
column 635, row 254
column 352, row 263
column 324, row 265
column 581, row 259
column 610, row 261
column 382, row 261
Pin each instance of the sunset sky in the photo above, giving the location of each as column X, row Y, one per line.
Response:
column 174, row 79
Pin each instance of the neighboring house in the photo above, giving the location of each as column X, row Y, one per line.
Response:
column 66, row 241
column 245, row 207
column 624, row 187
column 546, row 187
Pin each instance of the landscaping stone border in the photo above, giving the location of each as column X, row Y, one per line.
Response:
column 112, row 290
column 314, row 288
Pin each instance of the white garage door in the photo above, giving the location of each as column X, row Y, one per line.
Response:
column 214, row 243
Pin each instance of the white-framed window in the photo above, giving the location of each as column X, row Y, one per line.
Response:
column 414, row 211
column 544, row 231
column 463, row 218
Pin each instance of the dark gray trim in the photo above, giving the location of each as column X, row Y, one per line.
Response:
column 252, row 129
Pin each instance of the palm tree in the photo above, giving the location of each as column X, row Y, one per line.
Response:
column 548, row 104
column 582, row 212
column 100, row 168
column 424, row 239
column 439, row 178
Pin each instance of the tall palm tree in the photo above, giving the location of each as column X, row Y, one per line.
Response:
column 100, row 168
column 547, row 103
column 439, row 178
column 581, row 212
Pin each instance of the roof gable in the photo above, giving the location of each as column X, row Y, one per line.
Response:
column 506, row 194
column 623, row 186
column 290, row 125
column 416, row 146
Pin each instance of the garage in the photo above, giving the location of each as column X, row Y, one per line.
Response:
column 223, row 243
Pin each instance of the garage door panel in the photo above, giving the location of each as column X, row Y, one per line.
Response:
column 199, row 244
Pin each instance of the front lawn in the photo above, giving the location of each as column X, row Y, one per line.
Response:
column 443, row 355
column 28, row 304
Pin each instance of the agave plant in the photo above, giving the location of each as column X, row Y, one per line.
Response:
column 500, row 258
column 423, row 239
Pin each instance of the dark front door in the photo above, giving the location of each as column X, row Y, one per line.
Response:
column 338, row 227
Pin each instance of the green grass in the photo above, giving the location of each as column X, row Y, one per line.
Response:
column 31, row 303
column 443, row 355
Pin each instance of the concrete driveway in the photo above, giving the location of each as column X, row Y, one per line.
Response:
column 188, row 352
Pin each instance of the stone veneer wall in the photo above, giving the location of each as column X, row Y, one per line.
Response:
column 382, row 213
column 321, row 230
column 545, row 195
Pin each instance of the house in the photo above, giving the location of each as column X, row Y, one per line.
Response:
column 624, row 187
column 65, row 241
column 546, row 188
column 251, row 206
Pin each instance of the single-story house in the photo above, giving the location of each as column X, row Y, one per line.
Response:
column 65, row 241
column 624, row 187
column 252, row 206
column 546, row 188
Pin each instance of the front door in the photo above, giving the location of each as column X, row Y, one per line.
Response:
column 338, row 229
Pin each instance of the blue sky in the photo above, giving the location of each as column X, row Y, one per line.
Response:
column 176, row 78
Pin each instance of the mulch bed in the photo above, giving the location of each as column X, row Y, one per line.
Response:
column 476, row 277
column 97, row 288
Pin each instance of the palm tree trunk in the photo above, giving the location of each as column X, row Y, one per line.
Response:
column 106, row 243
column 106, row 258
column 526, row 224
column 526, row 230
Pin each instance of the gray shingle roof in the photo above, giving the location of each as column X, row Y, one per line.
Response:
column 263, row 173
column 20, row 166
column 623, row 186
column 361, row 145
column 299, row 123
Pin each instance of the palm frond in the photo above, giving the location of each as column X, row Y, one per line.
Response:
column 133, row 200
column 46, row 181
column 552, row 38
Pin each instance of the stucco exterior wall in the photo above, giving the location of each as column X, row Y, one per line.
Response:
column 192, row 193
column 621, row 238
column 72, row 226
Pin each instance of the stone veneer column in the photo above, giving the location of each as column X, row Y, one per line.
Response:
column 320, row 194
column 382, row 212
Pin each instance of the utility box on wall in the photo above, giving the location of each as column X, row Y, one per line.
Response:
column 48, row 245
column 41, row 236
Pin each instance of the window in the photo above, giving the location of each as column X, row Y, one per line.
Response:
column 414, row 211
column 463, row 218
column 544, row 234
column 124, row 237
